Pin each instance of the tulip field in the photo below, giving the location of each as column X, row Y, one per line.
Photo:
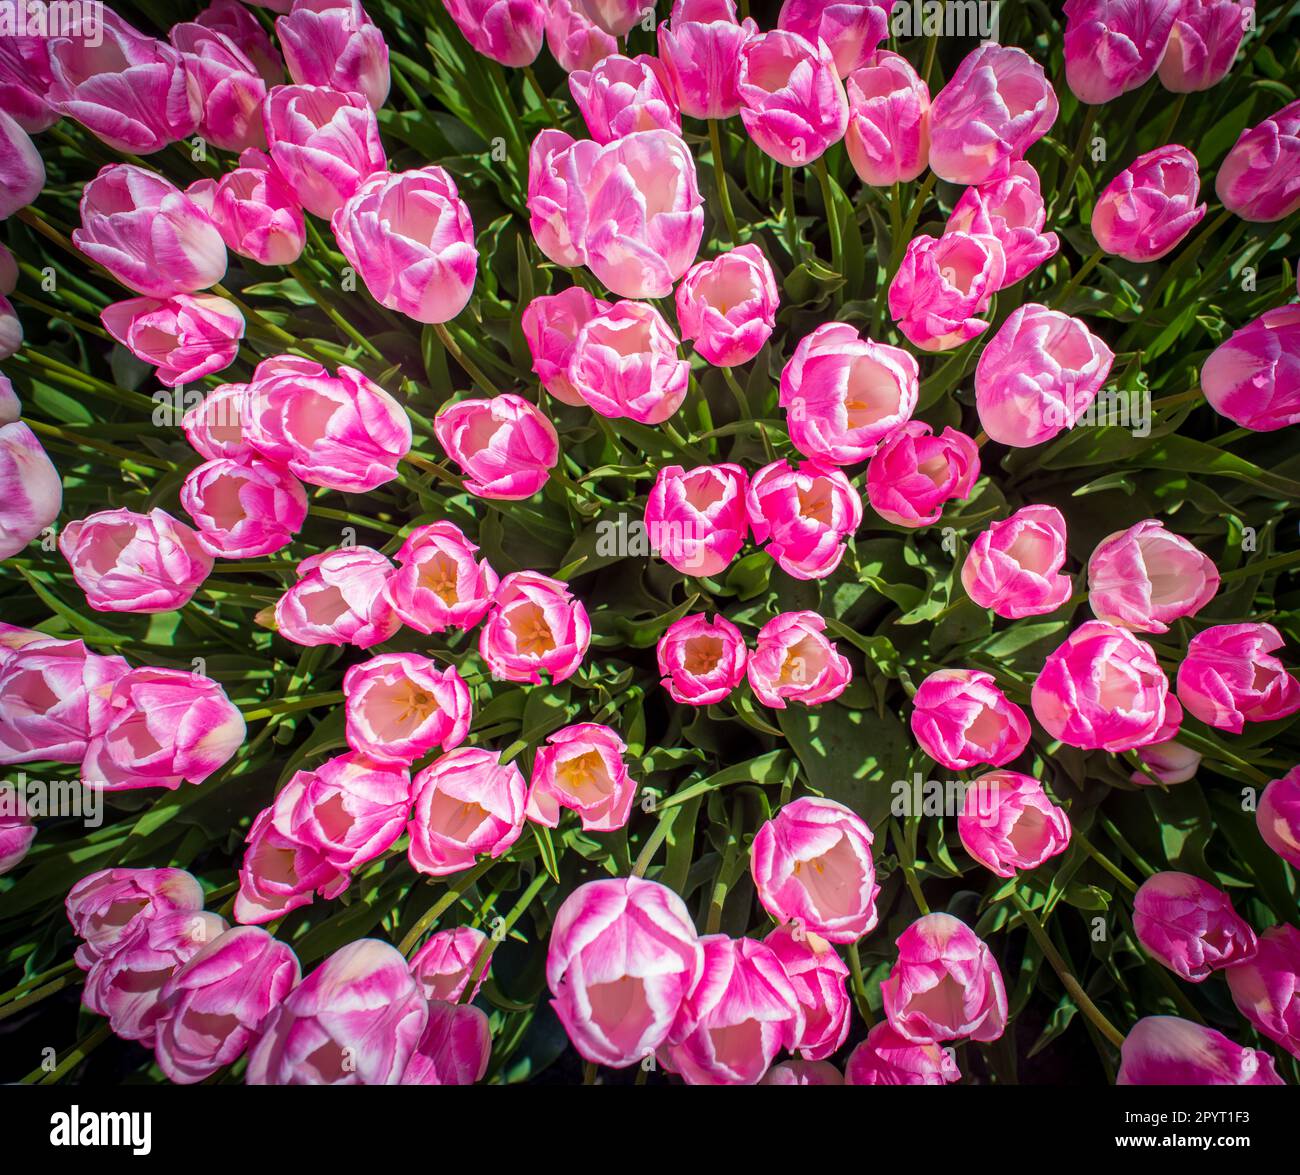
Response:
column 600, row 542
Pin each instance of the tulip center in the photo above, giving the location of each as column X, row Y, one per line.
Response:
column 455, row 818
column 815, row 502
column 621, row 1010
column 531, row 630
column 584, row 778
column 1028, row 835
column 439, row 576
column 944, row 1005
column 702, row 654
column 985, row 729
column 833, row 880
column 872, row 394
column 1032, row 551
column 802, row 662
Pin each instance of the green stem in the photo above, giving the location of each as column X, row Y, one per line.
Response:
column 551, row 112
column 1065, row 190
column 292, row 705
column 467, row 364
column 913, row 215
column 832, row 217
column 720, row 177
column 1086, row 268
column 455, row 889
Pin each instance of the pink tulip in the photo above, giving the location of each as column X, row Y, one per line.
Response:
column 234, row 20
column 559, row 169
column 851, row 28
column 1011, row 209
column 151, row 237
column 582, row 768
column 1203, row 43
column 128, row 562
column 1260, row 178
column 946, row 984
column 996, row 106
column 961, row 719
column 243, row 510
column 230, row 88
column 574, row 41
column 885, row 1058
column 1103, row 688
column 214, row 1005
column 1037, row 375
column 25, row 80
column 112, row 906
column 792, row 659
column 740, row 1013
column 334, row 43
column 16, row 835
column 1014, row 567
column 1113, row 46
column 444, row 964
column 22, row 171
column 1007, row 823
column 1254, row 377
column 550, row 324
column 325, row 144
column 818, row 977
column 803, row 1073
column 339, row 599
column 616, row 17
column 256, row 212
column 400, row 706
column 279, row 874
column 439, row 583
column 508, row 31
column 620, row 95
column 942, row 284
column 803, row 515
column 914, row 473
column 1190, row 926
column 625, row 363
column 11, row 329
column 792, row 100
column 812, row 866
column 701, row 660
column 454, row 1049
column 535, row 627
column 1278, row 816
column 467, row 804
column 843, row 394
column 1150, row 207
column 1167, row 759
column 623, row 954
column 888, row 136
column 185, row 337
column 31, row 491
column 129, row 90
column 1166, row 1050
column 411, row 239
column 1146, row 577
column 697, row 518
column 700, row 47
column 1229, row 677
column 214, row 426
column 728, row 305
column 355, row 1020
column 505, row 445
column 1266, row 989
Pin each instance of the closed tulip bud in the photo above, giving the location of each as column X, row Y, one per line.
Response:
column 812, row 866
column 1254, row 377
column 130, row 91
column 942, row 284
column 411, row 239
column 623, row 954
column 25, row 80
column 256, row 212
column 535, row 627
column 31, row 491
column 620, row 95
column 843, row 394
column 233, row 19
column 467, row 804
column 550, row 324
column 996, row 106
column 1166, row 1050
column 185, row 337
column 1203, row 44
column 914, row 473
column 792, row 100
column 626, row 363
column 946, row 984
column 1150, row 207
column 1102, row 689
column 324, row 143
column 728, row 305
column 508, row 31
column 1229, row 677
column 214, row 1005
column 1113, row 46
column 742, row 1012
column 701, row 660
column 214, row 426
column 439, row 583
column 355, row 1020
column 573, row 39
column 111, row 906
column 230, row 88
column 400, row 706
column 127, row 562
column 339, row 599
column 700, row 47
column 11, row 329
column 505, row 445
column 1278, row 816
column 54, row 700
column 803, row 516
column 279, row 874
column 444, row 965
column 1014, row 567
column 454, row 1049
column 582, row 768
column 1260, row 178
column 1012, row 210
column 559, row 168
column 1007, row 823
column 1266, row 989
column 1168, row 760
column 149, row 235
column 16, row 835
column 1190, row 926
column 334, row 43
column 851, row 28
column 793, row 660
column 1146, row 577
column 803, row 1073
column 961, row 719
column 22, row 172
column 888, row 136
column 818, row 976
column 242, row 509
column 885, row 1058
column 697, row 518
